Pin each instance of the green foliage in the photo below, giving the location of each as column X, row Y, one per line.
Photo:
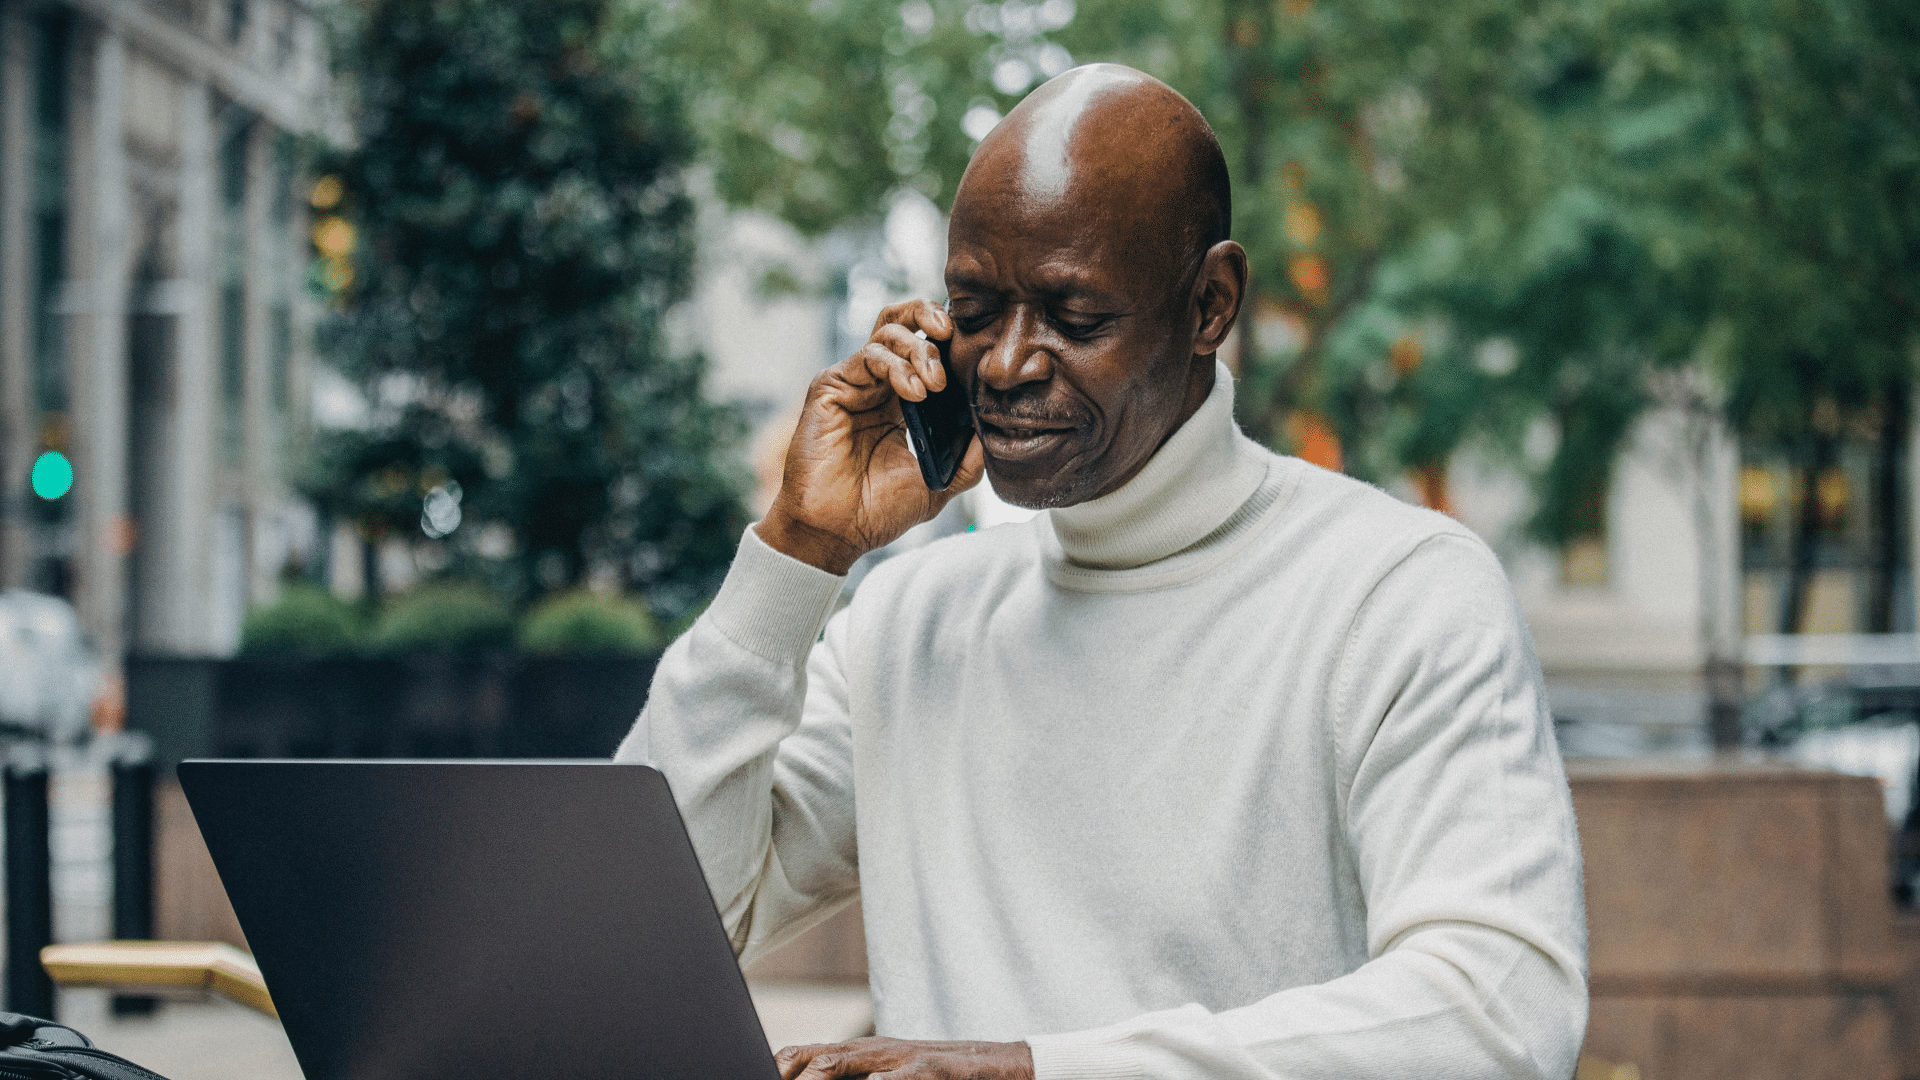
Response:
column 445, row 617
column 305, row 620
column 515, row 179
column 1741, row 197
column 583, row 621
column 815, row 112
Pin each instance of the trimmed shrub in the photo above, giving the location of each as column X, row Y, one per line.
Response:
column 580, row 621
column 450, row 617
column 306, row 620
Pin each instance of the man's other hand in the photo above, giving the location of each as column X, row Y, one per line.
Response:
column 850, row 484
column 902, row 1059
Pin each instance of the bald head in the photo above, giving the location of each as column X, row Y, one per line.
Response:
column 1115, row 142
column 1090, row 282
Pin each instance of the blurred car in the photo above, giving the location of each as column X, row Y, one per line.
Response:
column 49, row 675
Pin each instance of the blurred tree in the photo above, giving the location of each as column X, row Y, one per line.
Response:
column 1728, row 226
column 1480, row 210
column 1517, row 221
column 1805, row 195
column 508, row 231
column 816, row 112
column 1738, row 198
column 1468, row 218
column 1357, row 132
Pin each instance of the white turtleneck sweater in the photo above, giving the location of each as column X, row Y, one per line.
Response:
column 1241, row 771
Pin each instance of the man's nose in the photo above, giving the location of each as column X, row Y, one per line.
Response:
column 1017, row 356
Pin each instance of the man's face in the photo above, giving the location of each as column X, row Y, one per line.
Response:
column 1072, row 336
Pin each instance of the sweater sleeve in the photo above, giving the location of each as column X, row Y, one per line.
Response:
column 747, row 719
column 1456, row 809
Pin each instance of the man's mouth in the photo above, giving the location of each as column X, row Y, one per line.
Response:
column 1014, row 438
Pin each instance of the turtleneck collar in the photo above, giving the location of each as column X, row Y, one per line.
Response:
column 1189, row 488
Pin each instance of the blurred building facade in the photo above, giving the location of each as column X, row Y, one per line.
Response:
column 153, row 326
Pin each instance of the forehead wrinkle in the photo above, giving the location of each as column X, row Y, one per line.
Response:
column 1061, row 275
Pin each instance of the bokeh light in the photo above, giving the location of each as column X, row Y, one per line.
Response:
column 327, row 192
column 334, row 237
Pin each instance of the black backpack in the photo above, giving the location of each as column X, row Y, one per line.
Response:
column 35, row 1049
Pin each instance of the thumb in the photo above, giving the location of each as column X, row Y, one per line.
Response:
column 972, row 468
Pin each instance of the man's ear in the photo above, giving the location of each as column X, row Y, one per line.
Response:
column 1217, row 293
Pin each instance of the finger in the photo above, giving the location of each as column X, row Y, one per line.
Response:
column 845, row 388
column 791, row 1059
column 923, row 354
column 846, row 1060
column 893, row 369
column 917, row 315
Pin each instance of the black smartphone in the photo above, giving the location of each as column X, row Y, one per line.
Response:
column 941, row 427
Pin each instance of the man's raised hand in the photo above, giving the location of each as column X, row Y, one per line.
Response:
column 850, row 484
column 902, row 1059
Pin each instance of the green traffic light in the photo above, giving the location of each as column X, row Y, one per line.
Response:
column 52, row 475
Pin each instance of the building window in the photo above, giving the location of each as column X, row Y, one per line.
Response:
column 282, row 325
column 1583, row 561
column 53, row 68
column 1824, row 544
column 235, row 139
column 285, row 248
column 285, row 168
column 233, row 373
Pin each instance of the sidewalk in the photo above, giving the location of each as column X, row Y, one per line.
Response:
column 218, row 1040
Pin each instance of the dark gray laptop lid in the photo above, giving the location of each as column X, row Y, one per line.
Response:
column 467, row 920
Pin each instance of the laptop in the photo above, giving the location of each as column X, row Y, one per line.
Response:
column 459, row 920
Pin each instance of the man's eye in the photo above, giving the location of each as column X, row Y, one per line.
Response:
column 971, row 322
column 1079, row 326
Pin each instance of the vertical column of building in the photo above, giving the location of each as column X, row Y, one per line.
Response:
column 191, row 468
column 17, row 434
column 98, row 351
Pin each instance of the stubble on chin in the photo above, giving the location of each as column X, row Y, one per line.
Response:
column 1069, row 487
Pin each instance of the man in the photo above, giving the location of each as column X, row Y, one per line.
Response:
column 1225, row 766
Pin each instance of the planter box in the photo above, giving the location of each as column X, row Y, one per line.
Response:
column 487, row 705
column 1741, row 921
